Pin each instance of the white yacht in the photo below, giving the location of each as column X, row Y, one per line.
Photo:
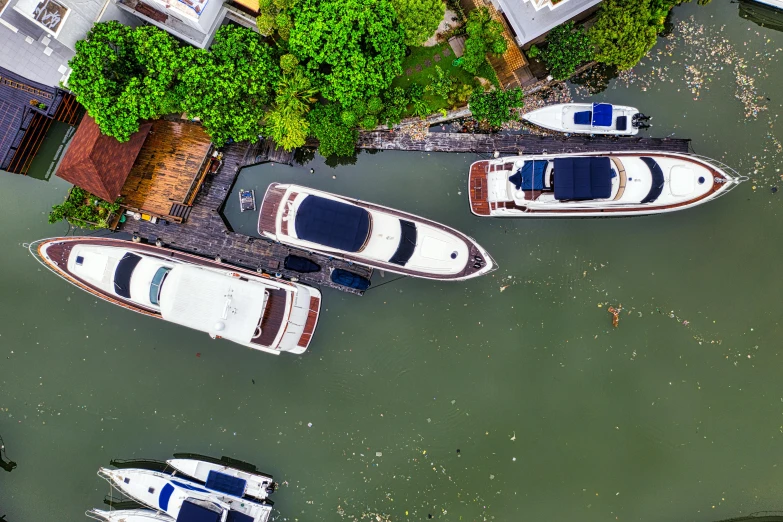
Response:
column 596, row 184
column 256, row 485
column 588, row 118
column 248, row 308
column 369, row 234
column 185, row 500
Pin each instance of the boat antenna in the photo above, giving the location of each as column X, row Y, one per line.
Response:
column 5, row 463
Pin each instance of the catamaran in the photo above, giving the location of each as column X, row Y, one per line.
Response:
column 596, row 184
column 589, row 118
column 255, row 310
column 369, row 234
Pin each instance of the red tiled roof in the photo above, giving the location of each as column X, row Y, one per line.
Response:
column 100, row 164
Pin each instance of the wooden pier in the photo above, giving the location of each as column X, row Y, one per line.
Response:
column 206, row 234
column 516, row 143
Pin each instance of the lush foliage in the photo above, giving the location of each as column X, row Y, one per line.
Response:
column 495, row 107
column 276, row 15
column 566, row 48
column 485, row 70
column 440, row 83
column 485, row 35
column 286, row 122
column 419, row 18
column 335, row 138
column 84, row 210
column 288, row 63
column 122, row 76
column 351, row 48
column 395, row 104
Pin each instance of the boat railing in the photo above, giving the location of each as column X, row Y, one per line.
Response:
column 736, row 176
column 96, row 515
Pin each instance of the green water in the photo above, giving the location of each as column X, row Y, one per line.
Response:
column 556, row 415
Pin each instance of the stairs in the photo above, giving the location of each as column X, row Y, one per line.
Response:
column 180, row 211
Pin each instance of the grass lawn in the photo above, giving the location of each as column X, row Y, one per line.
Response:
column 421, row 63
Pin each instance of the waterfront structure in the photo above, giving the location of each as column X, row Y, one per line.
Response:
column 157, row 172
column 530, row 20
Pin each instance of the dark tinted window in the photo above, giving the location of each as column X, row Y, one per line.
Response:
column 407, row 243
column 122, row 275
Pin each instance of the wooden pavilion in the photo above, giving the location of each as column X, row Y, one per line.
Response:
column 157, row 173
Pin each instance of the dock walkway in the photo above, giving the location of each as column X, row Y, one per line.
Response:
column 205, row 233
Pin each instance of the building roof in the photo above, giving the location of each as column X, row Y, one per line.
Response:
column 100, row 164
column 532, row 18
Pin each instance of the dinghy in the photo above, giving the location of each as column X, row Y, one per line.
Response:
column 255, row 485
column 185, row 500
column 588, row 118
column 369, row 234
column 247, row 200
column 596, row 184
column 254, row 310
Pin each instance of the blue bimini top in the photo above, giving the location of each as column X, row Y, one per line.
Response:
column 190, row 512
column 602, row 115
column 332, row 223
column 583, row 178
column 530, row 176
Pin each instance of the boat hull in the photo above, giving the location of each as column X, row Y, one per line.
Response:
column 560, row 118
column 54, row 254
column 484, row 205
column 273, row 224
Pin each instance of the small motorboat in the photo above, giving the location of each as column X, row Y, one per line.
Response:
column 247, row 200
column 589, row 118
column 596, row 184
column 129, row 515
column 369, row 234
column 243, row 306
column 185, row 500
column 254, row 485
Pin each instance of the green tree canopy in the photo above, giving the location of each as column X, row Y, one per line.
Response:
column 122, row 76
column 419, row 18
column 626, row 29
column 286, row 122
column 354, row 48
column 494, row 107
column 335, row 138
column 229, row 86
column 485, row 35
column 566, row 48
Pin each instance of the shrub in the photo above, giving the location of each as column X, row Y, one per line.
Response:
column 369, row 122
column 335, row 138
column 459, row 96
column 486, row 71
column 395, row 104
column 419, row 18
column 495, row 107
column 440, row 83
column 288, row 63
column 349, row 118
column 485, row 35
column 533, row 52
column 566, row 49
column 83, row 210
column 375, row 105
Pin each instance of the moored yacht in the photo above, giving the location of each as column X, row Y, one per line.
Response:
column 253, row 484
column 369, row 234
column 245, row 307
column 589, row 118
column 184, row 500
column 596, row 184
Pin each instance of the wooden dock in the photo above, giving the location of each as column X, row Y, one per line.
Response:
column 516, row 143
column 206, row 234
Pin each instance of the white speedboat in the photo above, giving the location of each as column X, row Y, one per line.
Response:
column 596, row 184
column 185, row 500
column 369, row 234
column 129, row 515
column 256, row 485
column 588, row 118
column 248, row 308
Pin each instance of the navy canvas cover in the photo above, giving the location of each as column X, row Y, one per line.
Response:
column 583, row 118
column 332, row 223
column 349, row 279
column 123, row 273
column 530, row 176
column 236, row 516
column 194, row 513
column 602, row 115
column 300, row 264
column 622, row 123
column 227, row 484
column 583, row 178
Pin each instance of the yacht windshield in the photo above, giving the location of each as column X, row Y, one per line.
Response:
column 407, row 243
column 657, row 180
column 157, row 284
column 123, row 273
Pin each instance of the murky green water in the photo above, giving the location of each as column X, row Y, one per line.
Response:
column 455, row 400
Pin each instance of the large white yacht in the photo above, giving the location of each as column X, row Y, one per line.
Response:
column 369, row 234
column 251, row 309
column 596, row 184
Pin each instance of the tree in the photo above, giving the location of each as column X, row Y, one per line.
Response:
column 276, row 15
column 229, row 86
column 121, row 76
column 440, row 83
column 354, row 48
column 566, row 49
column 395, row 103
column 485, row 35
column 419, row 18
column 335, row 138
column 626, row 29
column 495, row 107
column 286, row 122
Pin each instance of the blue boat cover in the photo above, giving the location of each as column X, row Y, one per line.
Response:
column 332, row 223
column 583, row 178
column 602, row 115
column 583, row 118
column 622, row 123
column 300, row 264
column 190, row 512
column 349, row 279
column 530, row 176
column 236, row 516
column 227, row 484
column 165, row 496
